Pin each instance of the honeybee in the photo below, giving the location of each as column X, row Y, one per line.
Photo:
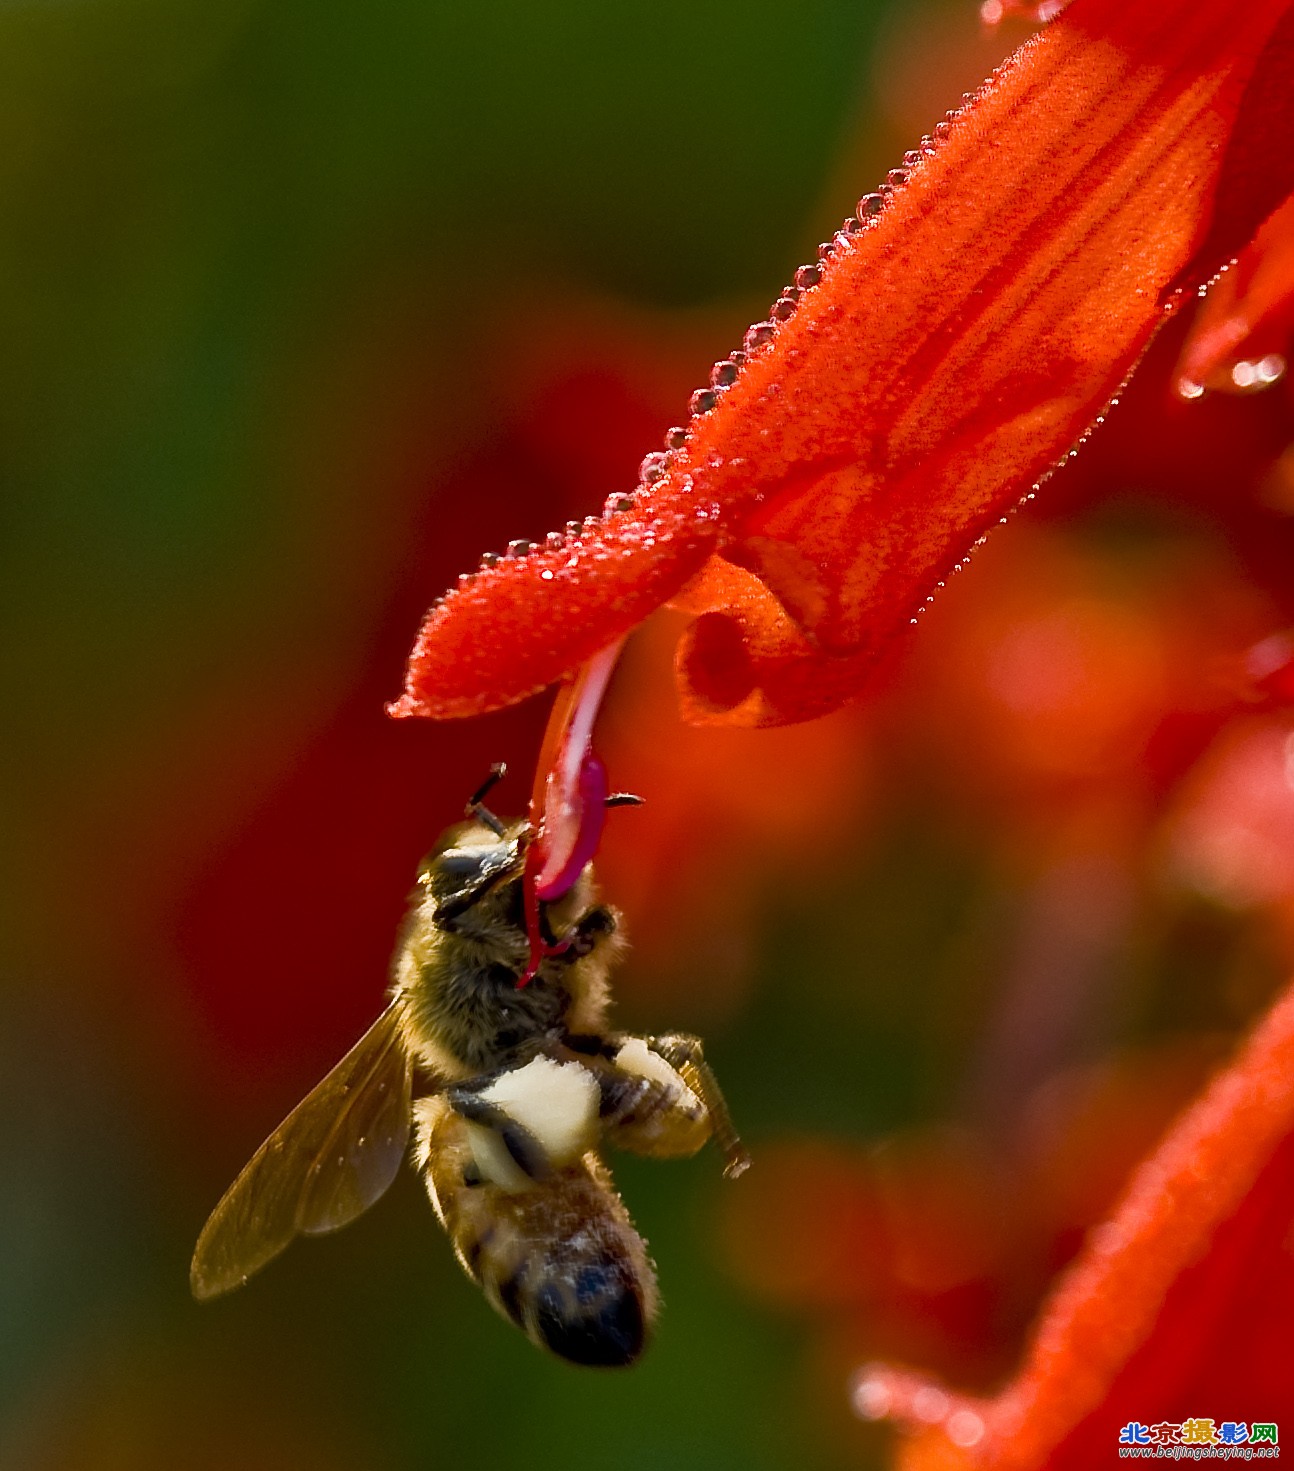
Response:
column 518, row 1085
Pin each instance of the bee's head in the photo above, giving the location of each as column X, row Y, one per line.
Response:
column 471, row 862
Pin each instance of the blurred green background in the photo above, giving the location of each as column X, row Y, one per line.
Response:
column 303, row 306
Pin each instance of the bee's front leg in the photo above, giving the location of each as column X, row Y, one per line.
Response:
column 591, row 930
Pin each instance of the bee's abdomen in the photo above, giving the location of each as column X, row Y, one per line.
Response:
column 560, row 1258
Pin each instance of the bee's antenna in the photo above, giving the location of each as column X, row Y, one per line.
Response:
column 623, row 799
column 475, row 806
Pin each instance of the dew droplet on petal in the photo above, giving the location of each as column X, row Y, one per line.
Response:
column 808, row 276
column 653, row 467
column 723, row 374
column 518, row 548
column 760, row 335
column 869, row 206
column 896, row 178
column 870, row 1396
column 489, row 559
column 703, row 400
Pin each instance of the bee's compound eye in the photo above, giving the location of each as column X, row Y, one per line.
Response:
column 461, row 863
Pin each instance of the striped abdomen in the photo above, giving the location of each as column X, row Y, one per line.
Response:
column 560, row 1257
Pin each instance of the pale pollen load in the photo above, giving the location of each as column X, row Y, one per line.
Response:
column 556, row 1102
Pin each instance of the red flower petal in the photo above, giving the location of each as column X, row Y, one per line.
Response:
column 1148, row 1318
column 1241, row 338
column 943, row 358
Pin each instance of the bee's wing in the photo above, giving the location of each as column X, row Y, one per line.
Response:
column 328, row 1161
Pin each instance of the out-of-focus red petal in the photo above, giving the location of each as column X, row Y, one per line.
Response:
column 1269, row 666
column 954, row 345
column 993, row 12
column 1241, row 338
column 1160, row 1301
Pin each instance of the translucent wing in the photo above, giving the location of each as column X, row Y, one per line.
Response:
column 327, row 1162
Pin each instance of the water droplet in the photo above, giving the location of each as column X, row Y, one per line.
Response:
column 489, row 559
column 703, row 400
column 965, row 1428
column 518, row 548
column 618, row 503
column 760, row 335
column 1271, row 368
column 547, row 574
column 723, row 374
column 465, row 577
column 783, row 309
column 943, row 130
column 912, row 157
column 652, row 468
column 869, row 206
column 896, row 178
column 870, row 1397
column 1244, row 374
column 574, row 527
column 590, row 523
column 555, row 541
column 676, row 438
column 853, row 226
column 808, row 276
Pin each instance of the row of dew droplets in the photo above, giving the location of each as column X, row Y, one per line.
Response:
column 760, row 335
column 758, row 338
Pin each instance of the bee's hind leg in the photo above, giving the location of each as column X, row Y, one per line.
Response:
column 684, row 1054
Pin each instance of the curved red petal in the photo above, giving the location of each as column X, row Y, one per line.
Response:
column 959, row 339
column 511, row 629
column 951, row 355
column 745, row 663
column 1146, row 1308
column 1241, row 338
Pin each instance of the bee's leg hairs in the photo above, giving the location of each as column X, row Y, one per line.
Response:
column 684, row 1053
